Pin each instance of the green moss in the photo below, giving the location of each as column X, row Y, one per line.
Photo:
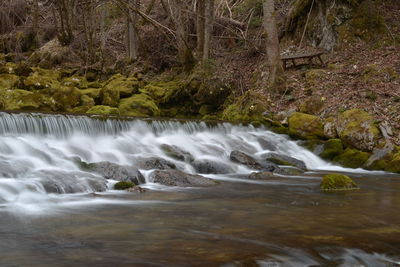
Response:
column 352, row 158
column 92, row 92
column 357, row 129
column 8, row 81
column 109, row 97
column 16, row 99
column 138, row 105
column 334, row 182
column 126, row 86
column 314, row 77
column 65, row 98
column 305, row 126
column 312, row 105
column 103, row 110
column 41, row 79
column 332, row 148
column 162, row 92
column 75, row 81
column 123, row 185
column 247, row 108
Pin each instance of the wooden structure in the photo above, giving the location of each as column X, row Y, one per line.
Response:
column 307, row 56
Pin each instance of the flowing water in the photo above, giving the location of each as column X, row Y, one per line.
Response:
column 49, row 215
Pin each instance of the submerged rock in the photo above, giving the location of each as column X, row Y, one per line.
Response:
column 334, row 181
column 209, row 166
column 247, row 160
column 288, row 171
column 118, row 172
column 179, row 178
column 154, row 163
column 176, row 153
column 266, row 145
column 285, row 160
column 260, row 175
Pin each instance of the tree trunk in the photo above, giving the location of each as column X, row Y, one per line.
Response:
column 200, row 23
column 209, row 21
column 35, row 24
column 276, row 78
column 132, row 34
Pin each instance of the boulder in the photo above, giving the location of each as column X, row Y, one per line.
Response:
column 118, row 172
column 285, row 160
column 138, row 105
column 312, row 105
column 305, row 126
column 244, row 159
column 179, row 178
column 126, row 86
column 154, row 163
column 210, row 166
column 288, row 171
column 260, row 175
column 176, row 153
column 352, row 158
column 357, row 129
column 335, row 182
column 123, row 185
column 331, row 149
column 266, row 145
column 162, row 92
column 109, row 97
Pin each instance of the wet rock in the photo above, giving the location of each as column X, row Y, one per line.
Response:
column 331, row 149
column 334, row 182
column 305, row 126
column 118, row 172
column 243, row 158
column 285, row 160
column 260, row 175
column 378, row 155
column 352, row 158
column 266, row 145
column 269, row 166
column 176, row 153
column 154, row 163
column 357, row 129
column 179, row 178
column 210, row 166
column 288, row 171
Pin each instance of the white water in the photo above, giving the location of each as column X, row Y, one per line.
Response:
column 37, row 151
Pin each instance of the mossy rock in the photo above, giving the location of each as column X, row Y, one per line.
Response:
column 357, row 129
column 17, row 99
column 305, row 126
column 123, row 185
column 92, row 92
column 162, row 92
column 126, row 86
column 138, row 105
column 375, row 74
column 42, row 79
column 246, row 108
column 8, row 68
column 8, row 81
column 332, row 148
column 109, row 97
column 103, row 110
column 352, row 158
column 75, row 81
column 337, row 182
column 65, row 98
column 312, row 105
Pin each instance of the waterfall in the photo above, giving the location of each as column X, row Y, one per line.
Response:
column 38, row 152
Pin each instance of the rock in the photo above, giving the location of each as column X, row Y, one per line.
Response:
column 243, row 158
column 352, row 158
column 138, row 105
column 285, row 160
column 331, row 149
column 178, row 178
column 8, row 81
column 334, row 182
column 154, row 163
column 103, row 110
column 126, row 86
column 210, row 166
column 265, row 144
column 268, row 166
column 385, row 129
column 305, row 126
column 374, row 162
column 118, row 172
column 42, row 79
column 357, row 129
column 176, row 153
column 75, row 81
column 312, row 105
column 109, row 97
column 137, row 189
column 330, row 128
column 92, row 92
column 260, row 175
column 123, row 185
column 162, row 92
column 288, row 171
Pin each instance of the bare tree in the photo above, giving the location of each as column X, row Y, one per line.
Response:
column 132, row 33
column 204, row 27
column 276, row 78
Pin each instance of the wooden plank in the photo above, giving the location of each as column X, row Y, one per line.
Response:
column 302, row 55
